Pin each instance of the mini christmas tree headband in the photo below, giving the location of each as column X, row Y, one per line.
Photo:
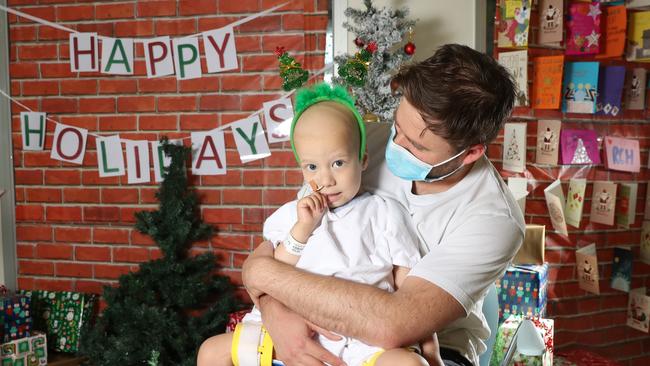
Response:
column 324, row 92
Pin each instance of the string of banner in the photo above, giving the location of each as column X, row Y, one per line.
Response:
column 163, row 56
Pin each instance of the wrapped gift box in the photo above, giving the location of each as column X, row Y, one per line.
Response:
column 15, row 316
column 29, row 351
column 62, row 315
column 234, row 319
column 581, row 357
column 505, row 336
column 522, row 291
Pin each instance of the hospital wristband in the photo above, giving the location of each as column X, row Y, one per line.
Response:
column 293, row 246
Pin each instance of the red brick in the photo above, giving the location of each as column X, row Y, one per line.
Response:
column 22, row 33
column 117, row 86
column 24, row 176
column 59, row 105
column 278, row 196
column 110, row 271
column 293, row 22
column 54, row 251
column 253, row 102
column 53, row 285
column 259, row 63
column 25, row 251
column 94, row 287
column 39, row 159
column 40, row 88
column 52, row 70
column 23, row 70
column 92, row 253
column 242, row 196
column 290, row 5
column 97, row 105
column 135, row 255
column 47, row 33
column 235, row 242
column 157, row 85
column 26, row 283
column 114, row 11
column 73, row 270
column 203, row 84
column 195, row 7
column 91, row 177
column 77, row 87
column 156, row 8
column 219, row 102
column 72, row 234
column 136, row 104
column 119, row 195
column 240, row 6
column 134, row 28
column 157, row 122
column 314, row 22
column 63, row 213
column 169, row 104
column 75, row 12
column 292, row 42
column 44, row 12
column 81, row 195
column 241, row 82
column 176, row 27
column 138, row 238
column 111, row 236
column 198, row 122
column 34, row 233
column 117, row 123
column 43, row 195
column 222, row 215
column 62, row 177
column 29, row 212
column 101, row 214
column 210, row 23
column 263, row 177
column 268, row 23
column 35, row 268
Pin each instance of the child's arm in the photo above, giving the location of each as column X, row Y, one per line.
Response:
column 310, row 212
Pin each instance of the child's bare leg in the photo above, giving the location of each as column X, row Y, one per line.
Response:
column 215, row 351
column 400, row 356
column 431, row 350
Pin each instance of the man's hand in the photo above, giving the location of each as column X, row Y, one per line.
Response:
column 254, row 265
column 293, row 337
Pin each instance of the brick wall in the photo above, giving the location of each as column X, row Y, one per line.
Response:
column 74, row 229
column 584, row 320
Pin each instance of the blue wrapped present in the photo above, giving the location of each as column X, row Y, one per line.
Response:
column 522, row 291
column 15, row 317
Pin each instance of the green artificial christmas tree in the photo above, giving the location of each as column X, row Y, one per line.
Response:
column 161, row 314
column 384, row 31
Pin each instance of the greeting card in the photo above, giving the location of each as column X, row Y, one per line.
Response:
column 603, row 202
column 638, row 309
column 622, row 269
column 610, row 90
column 579, row 147
column 587, row 262
column 547, row 82
column 551, row 18
column 519, row 189
column 645, row 242
column 516, row 62
column 580, row 86
column 635, row 85
column 626, row 204
column 638, row 39
column 514, row 147
column 583, row 29
column 555, row 204
column 615, row 22
column 514, row 19
column 575, row 201
column 548, row 141
column 622, row 154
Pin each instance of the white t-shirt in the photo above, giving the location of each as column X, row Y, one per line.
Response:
column 469, row 233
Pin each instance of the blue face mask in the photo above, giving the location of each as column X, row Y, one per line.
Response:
column 406, row 166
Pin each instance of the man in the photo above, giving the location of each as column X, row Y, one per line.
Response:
column 469, row 225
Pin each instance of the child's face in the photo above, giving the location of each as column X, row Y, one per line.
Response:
column 327, row 143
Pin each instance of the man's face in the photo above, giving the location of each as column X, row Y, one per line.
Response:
column 411, row 133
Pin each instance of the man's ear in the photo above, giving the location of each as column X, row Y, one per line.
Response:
column 364, row 161
column 474, row 153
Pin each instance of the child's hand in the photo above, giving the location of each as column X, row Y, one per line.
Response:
column 311, row 210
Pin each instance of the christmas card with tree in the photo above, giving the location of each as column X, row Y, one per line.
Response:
column 517, row 63
column 645, row 242
column 551, row 18
column 635, row 85
column 514, row 147
column 615, row 21
column 622, row 269
column 638, row 40
column 638, row 309
column 547, row 82
column 622, row 154
column 580, row 86
column 555, row 204
column 603, row 202
column 548, row 141
column 626, row 204
column 579, row 147
column 513, row 23
column 519, row 189
column 575, row 201
column 610, row 90
column 583, row 29
column 587, row 262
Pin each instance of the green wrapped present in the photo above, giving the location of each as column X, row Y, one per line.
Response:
column 505, row 336
column 29, row 351
column 61, row 315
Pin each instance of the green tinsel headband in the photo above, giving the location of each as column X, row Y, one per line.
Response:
column 322, row 92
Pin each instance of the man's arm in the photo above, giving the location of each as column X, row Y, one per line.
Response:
column 364, row 312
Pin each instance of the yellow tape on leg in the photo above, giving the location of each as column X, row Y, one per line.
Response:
column 371, row 361
column 266, row 349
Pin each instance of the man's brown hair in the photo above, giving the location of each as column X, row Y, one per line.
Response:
column 464, row 96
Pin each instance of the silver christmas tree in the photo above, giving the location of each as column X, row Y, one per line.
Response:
column 386, row 28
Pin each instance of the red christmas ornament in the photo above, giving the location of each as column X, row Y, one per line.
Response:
column 409, row 48
column 372, row 47
column 359, row 42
